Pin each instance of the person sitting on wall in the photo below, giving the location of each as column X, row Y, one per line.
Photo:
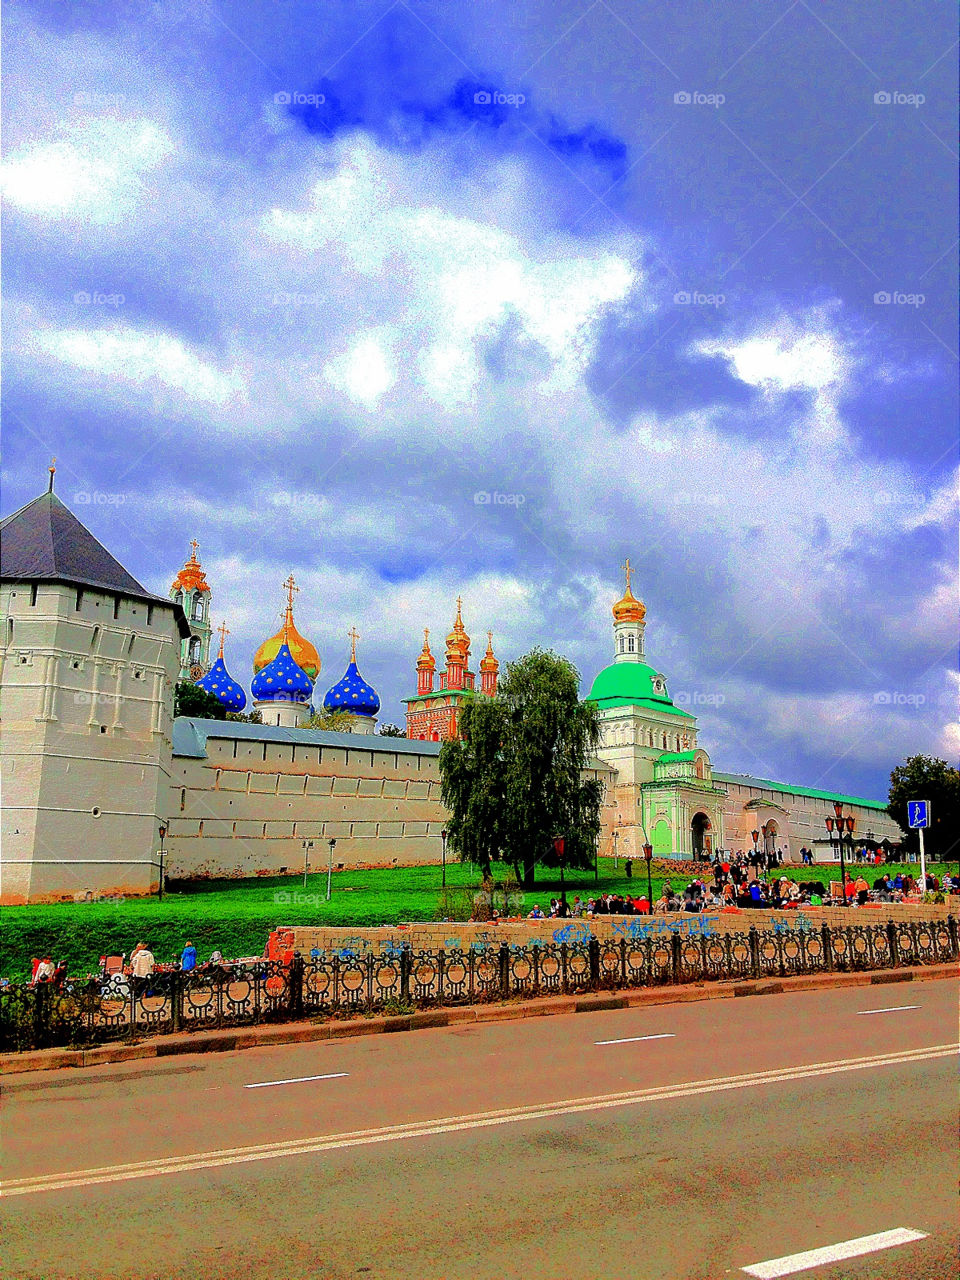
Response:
column 662, row 905
column 536, row 913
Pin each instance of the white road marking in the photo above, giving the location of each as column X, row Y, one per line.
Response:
column 896, row 1008
column 794, row 1262
column 455, row 1124
column 667, row 1035
column 265, row 1084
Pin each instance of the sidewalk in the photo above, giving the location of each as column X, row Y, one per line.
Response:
column 249, row 1037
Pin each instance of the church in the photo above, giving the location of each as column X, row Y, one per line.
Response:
column 103, row 787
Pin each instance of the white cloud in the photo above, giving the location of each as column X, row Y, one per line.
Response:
column 93, row 172
column 144, row 360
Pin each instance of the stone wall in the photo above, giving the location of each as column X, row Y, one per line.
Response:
column 448, row 935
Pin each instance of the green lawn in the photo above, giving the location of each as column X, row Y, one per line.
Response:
column 235, row 916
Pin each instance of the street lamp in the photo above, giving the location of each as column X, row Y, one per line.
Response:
column 842, row 824
column 443, row 854
column 559, row 845
column 616, row 847
column 332, row 843
column 648, row 855
column 307, row 846
column 163, row 836
column 756, row 837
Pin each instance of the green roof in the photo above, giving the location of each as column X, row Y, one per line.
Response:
column 764, row 784
column 630, row 684
column 672, row 757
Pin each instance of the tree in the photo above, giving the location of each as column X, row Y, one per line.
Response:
column 515, row 780
column 190, row 700
column 927, row 778
column 252, row 717
column 391, row 731
column 335, row 720
column 472, row 783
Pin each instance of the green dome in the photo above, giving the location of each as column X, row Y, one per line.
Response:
column 629, row 684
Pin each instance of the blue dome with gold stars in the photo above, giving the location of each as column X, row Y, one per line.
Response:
column 352, row 693
column 281, row 680
column 224, row 688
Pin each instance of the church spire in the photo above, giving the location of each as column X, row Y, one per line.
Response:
column 629, row 615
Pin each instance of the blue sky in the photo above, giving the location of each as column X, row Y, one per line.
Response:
column 672, row 282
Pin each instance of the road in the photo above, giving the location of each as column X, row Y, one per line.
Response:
column 688, row 1142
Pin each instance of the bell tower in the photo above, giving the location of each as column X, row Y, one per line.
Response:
column 191, row 591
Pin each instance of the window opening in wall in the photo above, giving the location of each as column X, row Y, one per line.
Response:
column 149, row 615
column 94, row 639
column 200, row 830
column 183, row 799
column 79, row 599
column 103, row 728
column 9, row 631
column 76, row 664
column 116, row 606
column 264, row 828
column 630, row 648
column 33, row 593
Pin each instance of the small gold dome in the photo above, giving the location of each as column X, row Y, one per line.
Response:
column 301, row 650
column 426, row 661
column 628, row 608
column 489, row 660
column 458, row 642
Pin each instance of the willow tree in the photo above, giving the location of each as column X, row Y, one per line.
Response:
column 515, row 781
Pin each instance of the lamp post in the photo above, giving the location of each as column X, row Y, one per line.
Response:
column 163, row 836
column 616, row 848
column 756, row 837
column 332, row 843
column 648, row 857
column 842, row 824
column 443, row 854
column 559, row 845
column 307, row 846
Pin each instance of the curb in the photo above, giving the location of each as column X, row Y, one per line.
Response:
column 548, row 1006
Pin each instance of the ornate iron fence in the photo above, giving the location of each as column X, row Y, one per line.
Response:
column 98, row 1009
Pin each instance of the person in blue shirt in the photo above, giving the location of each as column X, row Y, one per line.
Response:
column 188, row 959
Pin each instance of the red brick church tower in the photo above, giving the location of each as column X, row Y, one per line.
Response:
column 434, row 713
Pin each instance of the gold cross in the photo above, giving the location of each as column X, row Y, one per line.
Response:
column 222, row 632
column 291, row 587
column 52, row 468
column 626, row 569
column 354, row 635
column 194, row 546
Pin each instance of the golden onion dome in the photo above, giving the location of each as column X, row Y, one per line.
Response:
column 458, row 642
column 628, row 608
column 426, row 661
column 489, row 660
column 301, row 650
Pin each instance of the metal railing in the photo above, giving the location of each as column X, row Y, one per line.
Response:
column 93, row 1010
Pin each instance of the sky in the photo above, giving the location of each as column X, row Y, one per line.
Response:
column 419, row 300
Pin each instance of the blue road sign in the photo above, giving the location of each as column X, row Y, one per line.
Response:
column 918, row 813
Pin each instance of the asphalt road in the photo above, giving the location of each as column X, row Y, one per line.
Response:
column 731, row 1134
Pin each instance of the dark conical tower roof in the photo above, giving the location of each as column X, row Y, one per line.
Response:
column 44, row 541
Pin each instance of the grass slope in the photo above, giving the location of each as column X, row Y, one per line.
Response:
column 235, row 916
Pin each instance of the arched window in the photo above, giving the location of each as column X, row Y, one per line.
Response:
column 178, row 598
column 620, row 642
column 195, row 649
column 664, row 742
column 198, row 608
column 630, row 643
